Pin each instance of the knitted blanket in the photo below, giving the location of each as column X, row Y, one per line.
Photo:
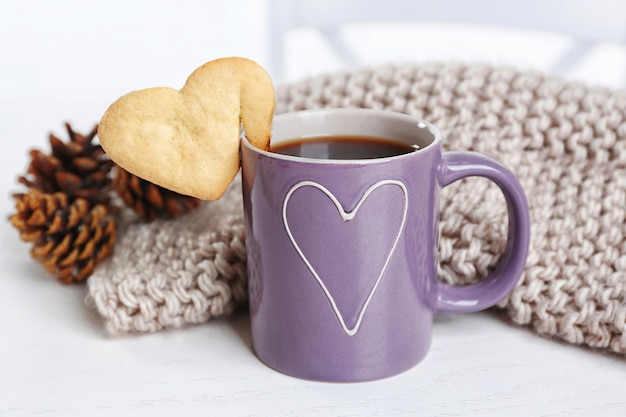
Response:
column 564, row 141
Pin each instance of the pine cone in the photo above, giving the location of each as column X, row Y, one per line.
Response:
column 68, row 239
column 79, row 168
column 149, row 200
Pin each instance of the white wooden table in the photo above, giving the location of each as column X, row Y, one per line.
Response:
column 68, row 60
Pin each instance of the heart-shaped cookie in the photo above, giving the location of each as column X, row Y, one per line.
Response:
column 188, row 140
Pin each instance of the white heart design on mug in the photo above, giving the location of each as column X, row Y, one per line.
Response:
column 346, row 216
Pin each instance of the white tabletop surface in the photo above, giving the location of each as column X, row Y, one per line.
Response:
column 67, row 60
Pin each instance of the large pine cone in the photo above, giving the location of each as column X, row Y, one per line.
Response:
column 79, row 168
column 69, row 239
column 149, row 200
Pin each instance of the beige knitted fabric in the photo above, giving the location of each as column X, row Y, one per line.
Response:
column 565, row 142
column 170, row 273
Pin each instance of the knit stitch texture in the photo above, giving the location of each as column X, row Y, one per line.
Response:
column 564, row 141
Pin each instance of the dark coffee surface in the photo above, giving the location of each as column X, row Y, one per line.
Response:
column 343, row 147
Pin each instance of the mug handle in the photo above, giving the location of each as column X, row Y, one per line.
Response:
column 502, row 280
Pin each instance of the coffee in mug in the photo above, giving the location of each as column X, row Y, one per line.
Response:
column 344, row 147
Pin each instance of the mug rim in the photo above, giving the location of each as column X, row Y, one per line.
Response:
column 386, row 114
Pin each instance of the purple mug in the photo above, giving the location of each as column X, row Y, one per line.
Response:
column 342, row 254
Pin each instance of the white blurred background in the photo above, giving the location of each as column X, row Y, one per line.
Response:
column 71, row 48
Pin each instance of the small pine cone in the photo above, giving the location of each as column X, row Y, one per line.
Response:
column 149, row 200
column 69, row 240
column 78, row 167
